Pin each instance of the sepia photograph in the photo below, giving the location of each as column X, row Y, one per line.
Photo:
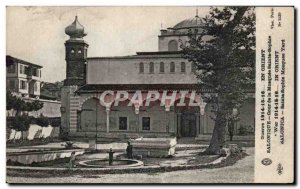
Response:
column 144, row 95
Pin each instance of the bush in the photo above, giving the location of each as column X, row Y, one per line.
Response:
column 64, row 135
column 42, row 121
column 55, row 122
column 246, row 130
column 21, row 123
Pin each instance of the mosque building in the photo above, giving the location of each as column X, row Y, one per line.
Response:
column 91, row 81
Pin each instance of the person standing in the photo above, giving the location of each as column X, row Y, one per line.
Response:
column 110, row 156
column 129, row 151
column 72, row 160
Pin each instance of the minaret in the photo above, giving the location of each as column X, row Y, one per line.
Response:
column 76, row 54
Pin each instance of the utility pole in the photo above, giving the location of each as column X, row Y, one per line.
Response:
column 96, row 122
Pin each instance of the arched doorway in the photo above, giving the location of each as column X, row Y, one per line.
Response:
column 92, row 116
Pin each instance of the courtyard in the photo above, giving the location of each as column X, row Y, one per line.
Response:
column 183, row 167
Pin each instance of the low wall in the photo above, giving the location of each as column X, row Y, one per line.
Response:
column 29, row 158
column 234, row 138
column 34, row 131
column 50, row 108
column 118, row 135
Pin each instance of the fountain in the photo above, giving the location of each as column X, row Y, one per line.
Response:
column 104, row 163
column 111, row 162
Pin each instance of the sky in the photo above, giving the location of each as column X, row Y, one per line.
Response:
column 36, row 34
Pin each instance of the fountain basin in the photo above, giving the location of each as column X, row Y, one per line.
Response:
column 41, row 156
column 118, row 163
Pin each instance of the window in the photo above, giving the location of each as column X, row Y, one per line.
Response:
column 21, row 69
column 161, row 67
column 72, row 51
column 146, row 123
column 182, row 67
column 36, row 72
column 122, row 123
column 141, row 67
column 35, row 87
column 11, row 68
column 79, row 51
column 151, row 67
column 22, row 84
column 172, row 67
column 173, row 46
column 27, row 70
column 12, row 84
column 40, row 73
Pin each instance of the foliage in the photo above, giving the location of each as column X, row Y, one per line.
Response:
column 55, row 122
column 18, row 104
column 246, row 130
column 21, row 123
column 64, row 135
column 223, row 55
column 42, row 121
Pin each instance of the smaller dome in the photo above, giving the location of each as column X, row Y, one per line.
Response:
column 75, row 30
column 190, row 23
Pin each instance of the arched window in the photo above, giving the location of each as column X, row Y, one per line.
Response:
column 161, row 67
column 172, row 67
column 141, row 67
column 173, row 46
column 182, row 66
column 151, row 67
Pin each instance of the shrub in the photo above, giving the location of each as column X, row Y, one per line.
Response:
column 21, row 123
column 42, row 121
column 246, row 130
column 55, row 122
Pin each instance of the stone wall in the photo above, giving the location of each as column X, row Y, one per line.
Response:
column 50, row 108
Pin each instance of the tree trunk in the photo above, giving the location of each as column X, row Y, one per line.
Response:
column 218, row 136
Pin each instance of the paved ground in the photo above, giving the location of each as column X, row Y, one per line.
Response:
column 241, row 172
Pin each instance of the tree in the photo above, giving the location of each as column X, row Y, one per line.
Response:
column 21, row 123
column 19, row 105
column 223, row 54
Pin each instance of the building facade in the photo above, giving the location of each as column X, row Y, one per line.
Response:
column 92, row 101
column 23, row 78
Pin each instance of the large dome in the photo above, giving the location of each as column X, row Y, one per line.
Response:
column 190, row 23
column 75, row 30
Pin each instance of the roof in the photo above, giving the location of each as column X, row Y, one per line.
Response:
column 92, row 88
column 12, row 60
column 152, row 55
column 75, row 30
column 190, row 23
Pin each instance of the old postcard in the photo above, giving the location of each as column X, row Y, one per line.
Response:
column 150, row 94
